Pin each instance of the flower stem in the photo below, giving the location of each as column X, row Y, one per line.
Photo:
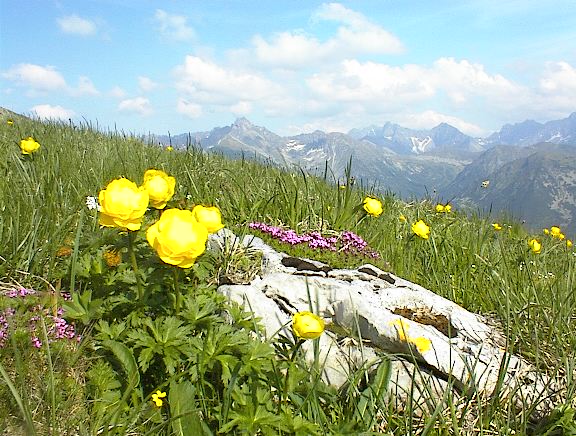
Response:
column 178, row 301
column 132, row 254
column 292, row 357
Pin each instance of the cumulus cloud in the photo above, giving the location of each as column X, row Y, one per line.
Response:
column 295, row 49
column 49, row 112
column 209, row 82
column 174, row 27
column 429, row 119
column 191, row 110
column 138, row 105
column 117, row 92
column 44, row 79
column 146, row 84
column 36, row 77
column 75, row 25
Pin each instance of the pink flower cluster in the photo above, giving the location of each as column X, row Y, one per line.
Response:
column 57, row 327
column 346, row 242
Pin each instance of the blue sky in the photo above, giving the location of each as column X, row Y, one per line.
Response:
column 290, row 65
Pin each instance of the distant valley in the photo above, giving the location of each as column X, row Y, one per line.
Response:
column 530, row 166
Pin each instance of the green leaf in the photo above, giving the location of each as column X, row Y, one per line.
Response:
column 127, row 360
column 186, row 421
column 82, row 307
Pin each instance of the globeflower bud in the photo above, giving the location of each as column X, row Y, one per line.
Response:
column 160, row 187
column 29, row 145
column 209, row 217
column 372, row 206
column 178, row 238
column 122, row 204
column 307, row 325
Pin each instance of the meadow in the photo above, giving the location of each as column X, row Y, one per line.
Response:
column 99, row 335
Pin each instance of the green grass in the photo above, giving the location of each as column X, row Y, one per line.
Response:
column 218, row 377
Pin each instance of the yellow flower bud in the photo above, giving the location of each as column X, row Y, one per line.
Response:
column 307, row 325
column 420, row 228
column 178, row 238
column 29, row 145
column 122, row 204
column 160, row 187
column 535, row 246
column 555, row 231
column 497, row 226
column 209, row 217
column 373, row 206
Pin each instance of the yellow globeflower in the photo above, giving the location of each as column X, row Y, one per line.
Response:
column 421, row 229
column 9, row 122
column 169, row 148
column 209, row 217
column 122, row 204
column 535, row 246
column 546, row 231
column 307, row 325
column 157, row 397
column 441, row 208
column 561, row 236
column 372, row 206
column 178, row 238
column 29, row 145
column 160, row 187
column 568, row 243
column 497, row 226
column 555, row 231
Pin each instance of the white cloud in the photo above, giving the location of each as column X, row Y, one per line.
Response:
column 296, row 49
column 429, row 119
column 172, row 26
column 117, row 92
column 139, row 105
column 146, row 84
column 75, row 25
column 43, row 79
column 48, row 112
column 191, row 110
column 36, row 77
column 241, row 108
column 353, row 81
column 84, row 87
column 208, row 82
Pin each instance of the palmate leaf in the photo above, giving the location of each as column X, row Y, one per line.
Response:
column 165, row 337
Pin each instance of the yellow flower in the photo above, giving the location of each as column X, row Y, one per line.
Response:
column 421, row 229
column 402, row 218
column 342, row 186
column 9, row 122
column 157, row 398
column 497, row 226
column 178, row 238
column 440, row 208
column 422, row 344
column 535, row 246
column 546, row 231
column 555, row 231
column 568, row 243
column 307, row 325
column 169, row 148
column 122, row 204
column 160, row 187
column 209, row 217
column 372, row 206
column 29, row 145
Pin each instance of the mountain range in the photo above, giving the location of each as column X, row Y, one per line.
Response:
column 530, row 166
